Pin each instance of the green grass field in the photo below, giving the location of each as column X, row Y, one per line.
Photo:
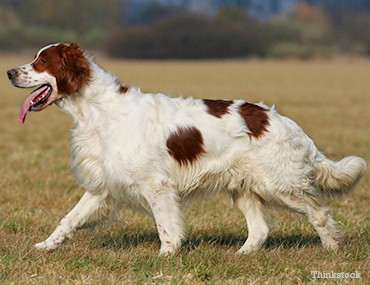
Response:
column 329, row 99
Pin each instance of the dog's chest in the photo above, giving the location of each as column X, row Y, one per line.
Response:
column 86, row 160
column 99, row 160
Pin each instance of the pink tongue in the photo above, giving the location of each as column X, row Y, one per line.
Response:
column 27, row 103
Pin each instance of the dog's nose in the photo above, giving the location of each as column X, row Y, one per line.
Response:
column 11, row 73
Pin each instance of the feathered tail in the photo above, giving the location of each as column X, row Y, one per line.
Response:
column 335, row 178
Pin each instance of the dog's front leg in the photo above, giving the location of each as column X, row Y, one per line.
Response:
column 165, row 206
column 76, row 218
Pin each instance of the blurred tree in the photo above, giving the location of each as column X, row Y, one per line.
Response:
column 8, row 19
column 9, row 28
column 154, row 11
column 77, row 15
column 303, row 31
column 190, row 36
column 315, row 24
column 355, row 33
column 232, row 13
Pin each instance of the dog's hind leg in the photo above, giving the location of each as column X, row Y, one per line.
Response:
column 84, row 210
column 318, row 215
column 256, row 214
column 324, row 224
column 164, row 203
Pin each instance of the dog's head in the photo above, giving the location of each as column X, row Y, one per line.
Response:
column 58, row 70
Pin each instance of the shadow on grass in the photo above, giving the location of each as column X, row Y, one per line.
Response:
column 232, row 240
column 129, row 240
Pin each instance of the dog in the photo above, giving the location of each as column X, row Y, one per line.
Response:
column 152, row 152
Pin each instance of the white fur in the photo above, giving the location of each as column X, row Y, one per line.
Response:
column 120, row 157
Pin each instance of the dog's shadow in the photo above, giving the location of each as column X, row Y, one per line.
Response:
column 194, row 241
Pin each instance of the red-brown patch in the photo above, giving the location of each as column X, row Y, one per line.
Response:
column 255, row 118
column 67, row 63
column 123, row 89
column 217, row 108
column 185, row 145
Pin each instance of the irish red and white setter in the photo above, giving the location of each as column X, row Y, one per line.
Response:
column 152, row 151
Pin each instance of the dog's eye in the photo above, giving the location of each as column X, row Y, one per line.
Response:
column 43, row 61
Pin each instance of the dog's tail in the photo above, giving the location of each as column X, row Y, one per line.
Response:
column 335, row 178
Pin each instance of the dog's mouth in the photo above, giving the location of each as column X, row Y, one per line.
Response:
column 36, row 101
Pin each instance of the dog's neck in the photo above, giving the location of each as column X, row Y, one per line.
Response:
column 91, row 100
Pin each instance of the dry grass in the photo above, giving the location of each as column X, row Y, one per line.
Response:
column 329, row 99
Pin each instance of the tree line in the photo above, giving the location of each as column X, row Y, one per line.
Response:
column 304, row 31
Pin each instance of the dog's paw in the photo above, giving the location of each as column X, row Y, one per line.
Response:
column 46, row 246
column 248, row 249
column 169, row 249
column 331, row 245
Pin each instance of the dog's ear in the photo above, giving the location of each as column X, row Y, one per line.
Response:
column 74, row 69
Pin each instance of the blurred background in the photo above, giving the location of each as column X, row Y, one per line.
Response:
column 191, row 28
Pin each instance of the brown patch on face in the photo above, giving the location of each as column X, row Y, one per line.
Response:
column 217, row 108
column 255, row 118
column 185, row 145
column 48, row 60
column 67, row 63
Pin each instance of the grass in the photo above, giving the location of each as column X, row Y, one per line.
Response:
column 329, row 99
